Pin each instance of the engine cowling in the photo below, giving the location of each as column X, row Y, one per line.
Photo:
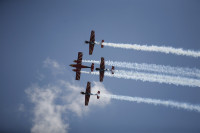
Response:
column 86, row 42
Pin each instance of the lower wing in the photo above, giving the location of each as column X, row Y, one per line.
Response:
column 87, row 98
column 78, row 74
column 91, row 47
column 101, row 76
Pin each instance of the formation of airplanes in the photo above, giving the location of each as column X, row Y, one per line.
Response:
column 78, row 66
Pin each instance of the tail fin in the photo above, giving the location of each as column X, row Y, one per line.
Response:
column 112, row 69
column 92, row 67
column 98, row 93
column 102, row 43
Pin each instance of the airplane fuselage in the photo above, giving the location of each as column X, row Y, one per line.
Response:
column 101, row 70
column 88, row 42
column 85, row 93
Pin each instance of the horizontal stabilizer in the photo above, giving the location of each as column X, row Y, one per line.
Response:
column 102, row 43
column 112, row 70
column 98, row 94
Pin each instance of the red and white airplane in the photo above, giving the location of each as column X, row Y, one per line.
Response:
column 79, row 66
column 102, row 69
column 92, row 42
column 87, row 93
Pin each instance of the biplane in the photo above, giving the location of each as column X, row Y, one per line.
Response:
column 87, row 94
column 102, row 69
column 92, row 42
column 79, row 66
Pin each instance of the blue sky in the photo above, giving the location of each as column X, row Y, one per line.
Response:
column 39, row 39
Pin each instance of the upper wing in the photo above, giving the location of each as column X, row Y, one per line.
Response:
column 79, row 60
column 88, row 90
column 101, row 76
column 92, row 36
column 87, row 96
column 102, row 64
column 91, row 47
column 92, row 40
column 78, row 74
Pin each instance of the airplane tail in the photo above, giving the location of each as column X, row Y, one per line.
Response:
column 92, row 67
column 98, row 93
column 102, row 43
column 112, row 69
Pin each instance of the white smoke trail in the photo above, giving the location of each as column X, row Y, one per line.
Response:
column 167, row 103
column 180, row 71
column 151, row 77
column 153, row 48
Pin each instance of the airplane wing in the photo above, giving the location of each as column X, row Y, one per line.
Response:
column 78, row 74
column 87, row 96
column 79, row 60
column 101, row 76
column 102, row 67
column 91, row 48
column 92, row 39
column 92, row 36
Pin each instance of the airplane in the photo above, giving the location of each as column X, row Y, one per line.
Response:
column 88, row 93
column 79, row 66
column 102, row 69
column 92, row 42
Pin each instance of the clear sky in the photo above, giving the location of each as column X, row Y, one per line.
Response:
column 39, row 39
